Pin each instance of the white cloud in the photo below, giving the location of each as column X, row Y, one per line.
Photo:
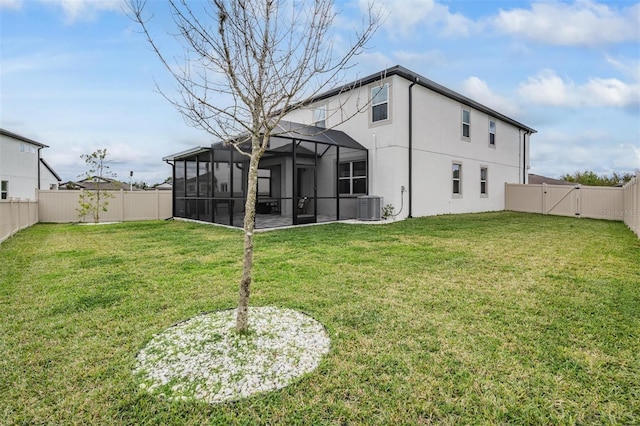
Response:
column 431, row 57
column 630, row 68
column 581, row 23
column 35, row 62
column 557, row 152
column 403, row 17
column 547, row 88
column 83, row 10
column 478, row 90
column 10, row 4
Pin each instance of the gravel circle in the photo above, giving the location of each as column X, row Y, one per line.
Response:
column 204, row 358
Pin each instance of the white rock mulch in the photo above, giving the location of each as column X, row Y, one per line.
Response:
column 204, row 358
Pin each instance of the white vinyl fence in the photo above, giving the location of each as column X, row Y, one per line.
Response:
column 597, row 202
column 631, row 208
column 60, row 207
column 15, row 215
column 125, row 206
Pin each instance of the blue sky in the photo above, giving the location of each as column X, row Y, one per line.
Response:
column 77, row 75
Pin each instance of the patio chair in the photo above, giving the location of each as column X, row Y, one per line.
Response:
column 303, row 203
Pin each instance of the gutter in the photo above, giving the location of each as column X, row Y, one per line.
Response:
column 524, row 157
column 410, row 183
column 39, row 178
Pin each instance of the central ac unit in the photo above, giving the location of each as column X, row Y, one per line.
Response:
column 369, row 207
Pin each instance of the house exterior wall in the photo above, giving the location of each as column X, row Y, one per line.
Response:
column 438, row 143
column 19, row 166
column 47, row 179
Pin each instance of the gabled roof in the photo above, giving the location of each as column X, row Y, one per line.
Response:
column 297, row 131
column 21, row 138
column 538, row 179
column 53, row 172
column 424, row 82
column 90, row 183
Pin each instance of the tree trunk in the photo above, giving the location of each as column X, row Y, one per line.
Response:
column 242, row 319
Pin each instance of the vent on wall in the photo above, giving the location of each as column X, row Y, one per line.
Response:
column 369, row 207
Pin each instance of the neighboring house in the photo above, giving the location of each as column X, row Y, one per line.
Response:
column 421, row 147
column 22, row 170
column 166, row 186
column 94, row 183
column 538, row 180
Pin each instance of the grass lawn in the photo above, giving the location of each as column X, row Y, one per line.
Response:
column 467, row 319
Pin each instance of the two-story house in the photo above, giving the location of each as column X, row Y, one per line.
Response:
column 22, row 169
column 418, row 146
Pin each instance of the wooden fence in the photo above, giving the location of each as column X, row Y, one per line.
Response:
column 597, row 202
column 16, row 214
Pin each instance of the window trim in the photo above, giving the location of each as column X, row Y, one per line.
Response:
column 387, row 102
column 458, row 179
column 484, row 194
column 316, row 121
column 352, row 177
column 465, row 123
column 495, row 125
column 4, row 189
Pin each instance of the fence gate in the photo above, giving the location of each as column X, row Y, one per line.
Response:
column 562, row 200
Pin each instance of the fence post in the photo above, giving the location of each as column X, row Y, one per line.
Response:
column 157, row 204
column 543, row 188
column 578, row 200
column 11, row 213
column 122, row 200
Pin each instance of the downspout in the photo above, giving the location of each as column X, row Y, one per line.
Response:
column 524, row 157
column 410, row 184
column 39, row 167
column 337, row 178
column 519, row 150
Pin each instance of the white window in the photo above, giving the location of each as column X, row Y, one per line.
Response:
column 352, row 177
column 466, row 124
column 380, row 103
column 4, row 189
column 483, row 181
column 457, row 179
column 28, row 149
column 320, row 116
column 492, row 133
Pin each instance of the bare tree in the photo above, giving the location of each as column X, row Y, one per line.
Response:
column 246, row 64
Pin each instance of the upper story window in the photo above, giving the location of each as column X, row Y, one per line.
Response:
column 4, row 189
column 380, row 103
column 457, row 179
column 29, row 149
column 466, row 123
column 492, row 133
column 352, row 177
column 320, row 116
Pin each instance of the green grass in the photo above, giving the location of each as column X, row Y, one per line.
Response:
column 467, row 319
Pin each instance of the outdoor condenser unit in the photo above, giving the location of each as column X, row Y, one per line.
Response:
column 369, row 207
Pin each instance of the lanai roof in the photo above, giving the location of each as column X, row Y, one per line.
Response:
column 287, row 130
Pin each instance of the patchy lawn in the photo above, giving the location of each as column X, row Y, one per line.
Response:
column 466, row 319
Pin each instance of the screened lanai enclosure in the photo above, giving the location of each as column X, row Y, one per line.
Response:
column 307, row 175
